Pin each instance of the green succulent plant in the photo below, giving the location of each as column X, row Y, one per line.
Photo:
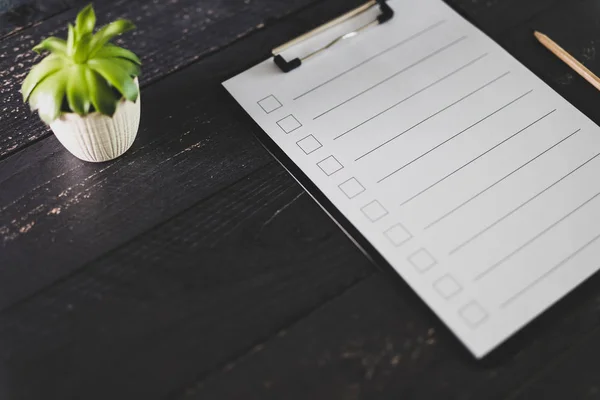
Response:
column 83, row 74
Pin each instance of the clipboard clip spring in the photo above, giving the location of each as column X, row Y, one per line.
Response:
column 286, row 66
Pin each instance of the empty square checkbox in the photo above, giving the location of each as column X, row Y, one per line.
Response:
column 398, row 235
column 330, row 165
column 289, row 124
column 473, row 314
column 447, row 286
column 269, row 104
column 374, row 211
column 309, row 144
column 351, row 188
column 422, row 260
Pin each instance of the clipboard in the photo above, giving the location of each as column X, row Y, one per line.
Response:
column 476, row 325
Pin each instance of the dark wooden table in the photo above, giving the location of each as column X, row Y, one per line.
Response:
column 194, row 267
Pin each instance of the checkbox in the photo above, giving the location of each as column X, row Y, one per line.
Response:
column 374, row 211
column 309, row 144
column 330, row 165
column 473, row 314
column 269, row 104
column 422, row 260
column 289, row 124
column 398, row 235
column 447, row 287
column 351, row 188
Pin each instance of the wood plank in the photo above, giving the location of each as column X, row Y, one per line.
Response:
column 169, row 36
column 173, row 304
column 16, row 15
column 167, row 307
column 67, row 212
column 378, row 341
column 573, row 376
column 495, row 17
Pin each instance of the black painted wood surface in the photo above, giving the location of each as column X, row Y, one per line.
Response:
column 195, row 267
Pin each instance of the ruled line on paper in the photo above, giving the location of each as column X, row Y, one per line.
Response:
column 394, row 75
column 493, row 267
column 475, row 159
column 548, row 273
column 497, row 182
column 414, row 94
column 454, row 136
column 462, row 245
column 404, row 41
column 434, row 114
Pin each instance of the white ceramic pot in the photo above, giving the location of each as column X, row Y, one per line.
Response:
column 96, row 137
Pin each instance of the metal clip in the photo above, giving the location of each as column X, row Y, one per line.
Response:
column 286, row 66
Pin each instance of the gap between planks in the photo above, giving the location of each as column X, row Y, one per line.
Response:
column 261, row 344
column 559, row 358
column 82, row 268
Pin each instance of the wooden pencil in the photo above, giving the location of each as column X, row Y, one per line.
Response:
column 568, row 59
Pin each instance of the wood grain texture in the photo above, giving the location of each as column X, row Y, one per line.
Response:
column 73, row 212
column 377, row 341
column 188, row 148
column 580, row 38
column 16, row 15
column 172, row 305
column 169, row 36
column 495, row 17
column 574, row 375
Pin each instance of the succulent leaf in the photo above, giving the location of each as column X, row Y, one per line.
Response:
column 131, row 68
column 80, row 54
column 48, row 95
column 108, row 32
column 71, row 40
column 86, row 21
column 77, row 90
column 101, row 95
column 117, row 76
column 53, row 45
column 112, row 51
column 47, row 66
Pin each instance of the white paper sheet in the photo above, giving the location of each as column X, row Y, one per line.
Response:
column 472, row 178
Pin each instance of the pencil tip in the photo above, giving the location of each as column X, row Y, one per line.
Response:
column 538, row 34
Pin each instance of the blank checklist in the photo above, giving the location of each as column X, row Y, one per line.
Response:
column 469, row 175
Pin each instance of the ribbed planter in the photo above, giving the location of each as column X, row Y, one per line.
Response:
column 96, row 137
